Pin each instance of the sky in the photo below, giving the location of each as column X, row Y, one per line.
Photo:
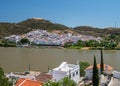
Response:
column 72, row 13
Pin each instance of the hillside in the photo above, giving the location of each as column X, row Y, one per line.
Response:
column 87, row 30
column 42, row 24
column 38, row 23
column 12, row 28
column 28, row 25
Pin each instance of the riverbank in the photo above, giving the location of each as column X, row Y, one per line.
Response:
column 61, row 47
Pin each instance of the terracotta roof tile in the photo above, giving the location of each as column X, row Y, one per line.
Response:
column 106, row 67
column 27, row 82
column 44, row 77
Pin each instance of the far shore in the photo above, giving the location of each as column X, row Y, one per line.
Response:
column 61, row 47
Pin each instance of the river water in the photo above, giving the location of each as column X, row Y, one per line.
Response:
column 18, row 59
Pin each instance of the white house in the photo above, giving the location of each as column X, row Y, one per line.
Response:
column 89, row 70
column 28, row 75
column 116, row 74
column 66, row 70
column 115, row 80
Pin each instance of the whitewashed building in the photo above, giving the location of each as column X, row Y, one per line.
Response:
column 66, row 70
column 89, row 70
column 116, row 74
column 27, row 75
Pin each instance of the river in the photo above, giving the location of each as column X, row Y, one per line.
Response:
column 18, row 59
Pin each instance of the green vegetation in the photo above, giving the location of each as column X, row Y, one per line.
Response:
column 7, row 29
column 95, row 79
column 111, row 36
column 92, row 31
column 42, row 24
column 25, row 26
column 83, row 66
column 67, row 82
column 109, row 42
column 80, row 44
column 102, row 63
column 64, row 82
column 50, row 83
column 3, row 80
column 7, row 43
column 24, row 41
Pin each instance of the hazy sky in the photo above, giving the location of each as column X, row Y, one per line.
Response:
column 97, row 13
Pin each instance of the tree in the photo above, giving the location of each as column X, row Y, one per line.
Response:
column 24, row 41
column 3, row 80
column 64, row 82
column 83, row 65
column 67, row 82
column 102, row 62
column 95, row 79
column 80, row 43
column 50, row 83
column 92, row 43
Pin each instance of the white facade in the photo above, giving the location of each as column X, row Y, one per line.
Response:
column 116, row 74
column 89, row 70
column 31, row 75
column 89, row 73
column 66, row 70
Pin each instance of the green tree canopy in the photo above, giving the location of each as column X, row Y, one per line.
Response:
column 67, row 82
column 83, row 66
column 3, row 80
column 50, row 83
column 24, row 41
column 64, row 82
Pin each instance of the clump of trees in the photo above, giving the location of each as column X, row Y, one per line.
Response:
column 7, row 43
column 3, row 80
column 80, row 44
column 24, row 41
column 64, row 82
column 83, row 66
column 109, row 42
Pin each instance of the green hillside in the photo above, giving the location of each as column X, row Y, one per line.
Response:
column 25, row 26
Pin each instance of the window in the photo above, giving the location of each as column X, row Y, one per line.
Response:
column 76, row 72
column 69, row 76
column 73, row 74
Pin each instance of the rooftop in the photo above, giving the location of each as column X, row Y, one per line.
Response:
column 106, row 67
column 44, row 77
column 27, row 82
column 65, row 67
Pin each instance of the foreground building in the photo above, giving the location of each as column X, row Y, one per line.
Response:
column 66, row 70
column 27, row 75
column 28, row 82
column 89, row 70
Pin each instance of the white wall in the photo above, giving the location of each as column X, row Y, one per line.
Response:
column 89, row 73
column 74, row 74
